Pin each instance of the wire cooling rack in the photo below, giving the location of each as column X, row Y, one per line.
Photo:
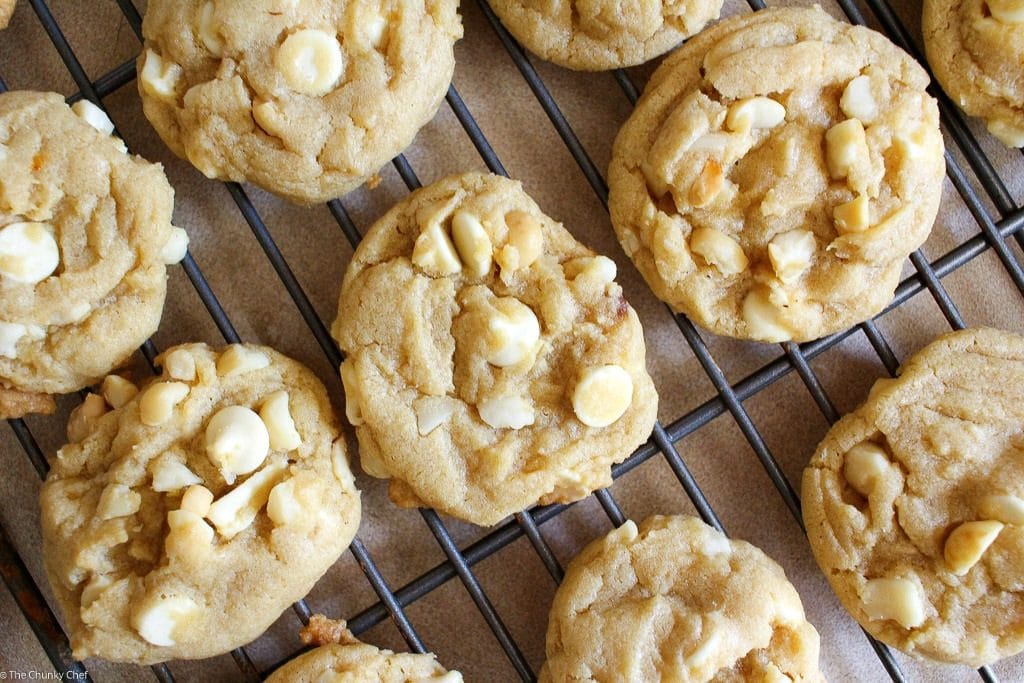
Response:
column 999, row 228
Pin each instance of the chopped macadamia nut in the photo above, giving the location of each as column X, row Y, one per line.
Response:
column 864, row 465
column 512, row 332
column 160, row 619
column 12, row 333
column 28, row 252
column 350, row 384
column 83, row 417
column 857, row 101
column 181, row 365
column 311, row 62
column 846, row 148
column 117, row 390
column 708, row 184
column 719, row 250
column 159, row 77
column 208, row 30
column 432, row 412
column 434, row 252
column 171, row 475
column 278, row 419
column 293, row 503
column 235, row 511
column 472, row 243
column 158, row 401
column 506, row 412
column 896, row 599
column 853, row 216
column 602, row 395
column 967, row 543
column 94, row 589
column 754, row 112
column 1006, row 509
column 94, row 116
column 763, row 318
column 117, row 500
column 791, row 254
column 524, row 245
column 190, row 538
column 237, row 441
column 237, row 359
column 197, row 500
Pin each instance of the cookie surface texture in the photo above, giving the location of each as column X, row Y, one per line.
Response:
column 181, row 524
column 776, row 173
column 492, row 359
column 914, row 503
column 6, row 10
column 85, row 235
column 676, row 600
column 306, row 99
column 594, row 35
column 976, row 50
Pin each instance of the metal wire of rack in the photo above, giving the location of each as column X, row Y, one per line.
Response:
column 994, row 233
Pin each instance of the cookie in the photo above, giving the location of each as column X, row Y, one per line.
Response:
column 676, row 600
column 6, row 10
column 304, row 98
column 976, row 50
column 85, row 233
column 180, row 523
column 342, row 658
column 594, row 35
column 492, row 359
column 914, row 503
column 776, row 173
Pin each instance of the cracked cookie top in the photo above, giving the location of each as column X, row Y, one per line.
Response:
column 777, row 171
column 676, row 600
column 914, row 503
column 976, row 49
column 85, row 236
column 304, row 98
column 593, row 35
column 184, row 517
column 492, row 359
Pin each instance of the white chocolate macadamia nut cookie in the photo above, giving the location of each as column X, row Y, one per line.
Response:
column 342, row 658
column 180, row 524
column 6, row 10
column 976, row 49
column 776, row 173
column 675, row 600
column 593, row 35
column 85, row 237
column 304, row 98
column 492, row 359
column 914, row 503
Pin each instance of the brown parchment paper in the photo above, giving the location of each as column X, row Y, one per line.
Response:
column 515, row 580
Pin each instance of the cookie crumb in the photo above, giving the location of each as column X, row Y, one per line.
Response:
column 322, row 631
column 373, row 182
column 15, row 404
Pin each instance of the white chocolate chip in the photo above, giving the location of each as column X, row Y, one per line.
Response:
column 159, row 622
column 237, row 441
column 83, row 417
column 1006, row 509
column 268, row 116
column 598, row 270
column 846, row 148
column 864, row 466
column 10, row 335
column 857, row 101
column 512, row 332
column 1007, row 12
column 366, row 27
column 432, row 412
column 159, row 78
column 791, row 254
column 176, row 247
column 472, row 243
column 208, row 31
column 236, row 510
column 94, row 589
column 180, row 365
column 719, row 250
column 913, row 142
column 94, row 116
column 506, row 412
column 967, row 543
column 117, row 390
column 434, row 252
column 896, row 599
column 117, row 500
column 292, row 503
column 237, row 359
column 171, row 475
column 74, row 313
column 28, row 252
column 602, row 395
column 524, row 245
column 158, row 401
column 280, row 425
column 197, row 500
column 190, row 538
column 755, row 112
column 1007, row 133
column 763, row 318
column 350, row 384
column 853, row 216
column 311, row 61
column 708, row 184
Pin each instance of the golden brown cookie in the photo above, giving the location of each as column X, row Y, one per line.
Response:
column 914, row 503
column 675, row 600
column 85, row 236
column 6, row 10
column 776, row 173
column 976, row 49
column 305, row 98
column 492, row 359
column 342, row 658
column 593, row 35
column 182, row 521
